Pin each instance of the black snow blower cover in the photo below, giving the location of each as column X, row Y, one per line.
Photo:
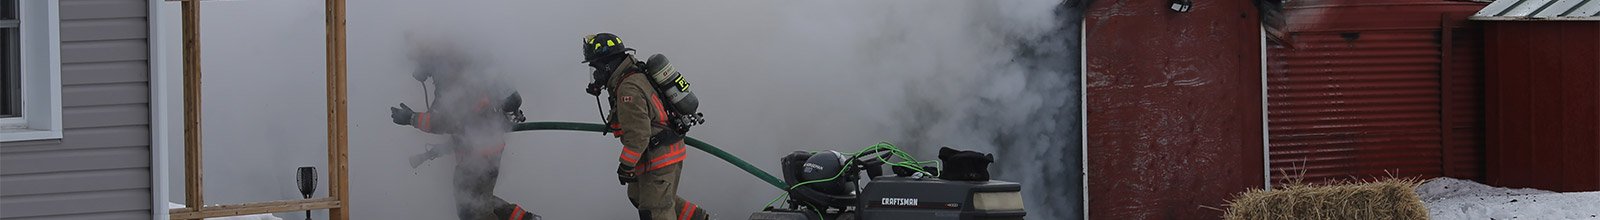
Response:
column 965, row 165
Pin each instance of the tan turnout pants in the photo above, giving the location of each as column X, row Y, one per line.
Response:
column 656, row 194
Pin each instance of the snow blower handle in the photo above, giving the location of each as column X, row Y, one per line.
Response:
column 870, row 161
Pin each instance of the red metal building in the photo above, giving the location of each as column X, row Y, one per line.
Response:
column 1543, row 77
column 1374, row 89
column 1351, row 88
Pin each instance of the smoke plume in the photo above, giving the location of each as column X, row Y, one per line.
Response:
column 772, row 76
column 1022, row 105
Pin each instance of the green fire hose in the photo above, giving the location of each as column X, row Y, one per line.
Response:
column 691, row 141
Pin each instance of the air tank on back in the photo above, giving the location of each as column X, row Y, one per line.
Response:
column 671, row 84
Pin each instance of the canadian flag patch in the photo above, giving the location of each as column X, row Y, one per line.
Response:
column 627, row 99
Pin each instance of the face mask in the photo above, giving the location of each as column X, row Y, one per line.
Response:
column 598, row 79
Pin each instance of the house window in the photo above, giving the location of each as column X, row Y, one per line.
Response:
column 11, row 95
column 30, row 61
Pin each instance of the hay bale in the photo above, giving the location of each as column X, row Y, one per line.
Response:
column 1386, row 199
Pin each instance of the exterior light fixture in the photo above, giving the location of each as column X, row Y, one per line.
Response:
column 1182, row 5
column 308, row 183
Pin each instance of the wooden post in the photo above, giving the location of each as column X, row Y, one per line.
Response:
column 338, row 184
column 194, row 185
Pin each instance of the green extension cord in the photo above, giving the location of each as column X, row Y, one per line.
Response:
column 696, row 143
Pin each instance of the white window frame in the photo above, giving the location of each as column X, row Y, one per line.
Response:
column 41, row 74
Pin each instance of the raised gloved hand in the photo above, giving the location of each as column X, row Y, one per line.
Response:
column 402, row 115
column 625, row 174
column 420, row 75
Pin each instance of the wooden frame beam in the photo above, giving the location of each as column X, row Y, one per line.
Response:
column 338, row 131
column 256, row 208
column 337, row 203
column 194, row 183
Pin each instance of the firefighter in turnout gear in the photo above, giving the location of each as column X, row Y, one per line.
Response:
column 475, row 118
column 652, row 151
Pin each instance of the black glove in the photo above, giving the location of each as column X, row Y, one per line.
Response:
column 511, row 106
column 594, row 89
column 665, row 137
column 625, row 174
column 512, row 103
column 402, row 115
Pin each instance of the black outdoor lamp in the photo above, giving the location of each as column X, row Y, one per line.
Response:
column 308, row 184
column 1181, row 5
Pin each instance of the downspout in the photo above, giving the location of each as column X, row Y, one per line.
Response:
column 1266, row 155
column 1083, row 109
column 158, row 109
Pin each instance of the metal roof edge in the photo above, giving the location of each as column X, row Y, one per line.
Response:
column 1540, row 10
column 1495, row 18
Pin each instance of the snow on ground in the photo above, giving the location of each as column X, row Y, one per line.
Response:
column 242, row 217
column 1449, row 198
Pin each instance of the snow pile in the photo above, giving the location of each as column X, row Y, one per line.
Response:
column 1445, row 187
column 1449, row 198
column 174, row 205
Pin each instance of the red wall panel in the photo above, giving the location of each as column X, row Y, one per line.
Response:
column 1174, row 108
column 1543, row 104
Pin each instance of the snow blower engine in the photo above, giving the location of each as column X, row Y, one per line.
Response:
column 827, row 185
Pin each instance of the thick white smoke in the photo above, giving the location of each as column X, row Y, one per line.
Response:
column 773, row 77
column 466, row 108
column 1019, row 102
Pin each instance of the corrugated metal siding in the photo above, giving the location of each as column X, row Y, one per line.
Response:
column 1364, row 89
column 1174, row 108
column 1358, row 15
column 100, row 169
column 1544, row 117
column 1356, row 107
column 1463, row 103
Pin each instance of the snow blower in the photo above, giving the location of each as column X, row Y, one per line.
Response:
column 828, row 185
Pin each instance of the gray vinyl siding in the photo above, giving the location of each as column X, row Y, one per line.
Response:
column 100, row 168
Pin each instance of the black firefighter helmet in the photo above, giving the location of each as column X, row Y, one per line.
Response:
column 600, row 46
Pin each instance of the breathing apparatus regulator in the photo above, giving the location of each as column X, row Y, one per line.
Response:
column 603, row 52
